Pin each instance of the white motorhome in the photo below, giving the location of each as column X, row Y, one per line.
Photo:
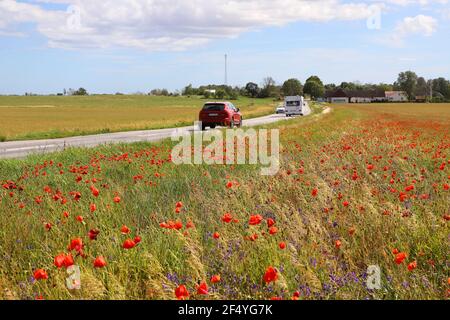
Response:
column 294, row 105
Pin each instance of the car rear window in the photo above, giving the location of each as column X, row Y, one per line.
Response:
column 214, row 107
column 293, row 103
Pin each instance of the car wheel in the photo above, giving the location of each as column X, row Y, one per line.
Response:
column 203, row 127
column 231, row 124
column 213, row 126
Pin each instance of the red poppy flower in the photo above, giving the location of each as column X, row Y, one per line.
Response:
column 93, row 233
column 270, row 222
column 116, row 199
column 179, row 204
column 273, row 230
column 395, row 251
column 227, row 218
column 253, row 237
column 38, row 200
column 137, row 239
column 202, row 288
column 215, row 278
column 216, row 235
column 125, row 230
column 99, row 262
column 129, row 244
column 351, row 231
column 282, row 245
column 76, row 244
column 255, row 220
column 59, row 260
column 345, row 203
column 181, row 292
column 314, row 192
column 412, row 265
column 338, row 244
column 178, row 225
column 79, row 218
column 68, row 261
column 229, row 184
column 399, row 257
column 190, row 224
column 40, row 274
column 177, row 209
column 95, row 191
column 271, row 275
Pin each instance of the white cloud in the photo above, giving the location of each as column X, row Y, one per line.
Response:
column 413, row 2
column 167, row 25
column 422, row 25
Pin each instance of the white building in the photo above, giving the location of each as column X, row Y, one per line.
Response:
column 396, row 96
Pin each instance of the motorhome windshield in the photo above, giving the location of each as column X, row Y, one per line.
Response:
column 292, row 103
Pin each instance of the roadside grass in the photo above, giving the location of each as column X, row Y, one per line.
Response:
column 320, row 152
column 43, row 117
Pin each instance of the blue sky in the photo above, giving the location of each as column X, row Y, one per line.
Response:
column 48, row 45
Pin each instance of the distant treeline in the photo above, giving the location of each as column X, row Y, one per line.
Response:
column 435, row 90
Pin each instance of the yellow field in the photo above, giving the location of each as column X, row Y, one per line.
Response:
column 52, row 116
column 431, row 111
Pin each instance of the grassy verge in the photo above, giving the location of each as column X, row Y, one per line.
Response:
column 341, row 202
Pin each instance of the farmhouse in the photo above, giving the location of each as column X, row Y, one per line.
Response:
column 336, row 96
column 396, row 96
column 364, row 96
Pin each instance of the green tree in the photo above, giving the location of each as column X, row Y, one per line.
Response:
column 315, row 78
column 80, row 92
column 269, row 88
column 314, row 87
column 442, row 86
column 407, row 81
column 252, row 89
column 220, row 94
column 292, row 87
column 422, row 88
column 188, row 90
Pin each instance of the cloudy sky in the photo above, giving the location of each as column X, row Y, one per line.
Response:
column 136, row 45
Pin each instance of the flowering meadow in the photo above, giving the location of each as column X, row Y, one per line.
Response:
column 360, row 186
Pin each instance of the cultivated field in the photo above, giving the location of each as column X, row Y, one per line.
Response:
column 37, row 117
column 358, row 186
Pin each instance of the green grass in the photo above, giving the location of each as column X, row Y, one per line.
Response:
column 40, row 117
column 319, row 152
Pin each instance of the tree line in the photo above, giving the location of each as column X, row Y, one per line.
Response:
column 436, row 90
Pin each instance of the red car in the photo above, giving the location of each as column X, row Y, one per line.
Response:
column 220, row 114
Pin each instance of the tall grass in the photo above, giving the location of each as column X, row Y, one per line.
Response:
column 320, row 152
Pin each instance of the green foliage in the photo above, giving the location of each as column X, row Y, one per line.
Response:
column 292, row 87
column 80, row 92
column 314, row 87
column 407, row 81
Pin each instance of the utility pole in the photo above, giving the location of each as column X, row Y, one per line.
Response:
column 431, row 90
column 226, row 71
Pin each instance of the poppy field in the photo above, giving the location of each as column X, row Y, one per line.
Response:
column 42, row 117
column 360, row 186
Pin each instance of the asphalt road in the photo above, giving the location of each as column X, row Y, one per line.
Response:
column 20, row 149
